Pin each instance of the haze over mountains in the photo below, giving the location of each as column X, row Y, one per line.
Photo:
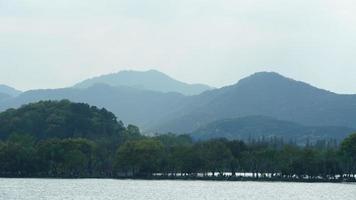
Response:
column 149, row 80
column 268, row 94
column 158, row 103
column 4, row 96
column 250, row 127
column 7, row 92
column 4, row 89
column 135, row 106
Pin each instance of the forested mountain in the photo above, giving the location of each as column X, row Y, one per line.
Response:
column 60, row 139
column 62, row 119
column 73, row 140
column 266, row 94
column 141, row 107
column 149, row 80
column 4, row 89
column 257, row 127
column 262, row 94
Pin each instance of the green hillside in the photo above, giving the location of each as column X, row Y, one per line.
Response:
column 59, row 119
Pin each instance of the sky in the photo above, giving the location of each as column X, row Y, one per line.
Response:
column 57, row 43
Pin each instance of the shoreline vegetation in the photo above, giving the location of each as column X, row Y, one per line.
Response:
column 60, row 139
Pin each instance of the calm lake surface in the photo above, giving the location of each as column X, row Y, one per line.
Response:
column 107, row 189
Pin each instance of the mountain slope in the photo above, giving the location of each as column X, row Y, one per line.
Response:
column 261, row 126
column 141, row 107
column 149, row 80
column 266, row 94
column 4, row 96
column 263, row 94
column 9, row 90
column 62, row 119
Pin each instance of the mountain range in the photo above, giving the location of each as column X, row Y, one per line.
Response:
column 267, row 94
column 148, row 80
column 246, row 128
column 6, row 92
column 158, row 103
column 4, row 89
column 131, row 105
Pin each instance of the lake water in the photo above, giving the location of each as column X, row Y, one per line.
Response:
column 107, row 189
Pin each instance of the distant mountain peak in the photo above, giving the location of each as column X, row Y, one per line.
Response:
column 154, row 71
column 150, row 80
column 151, row 71
column 275, row 81
column 266, row 76
column 263, row 94
column 267, row 73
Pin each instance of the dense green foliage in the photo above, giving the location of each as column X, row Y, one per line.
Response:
column 31, row 147
column 21, row 156
column 139, row 157
column 60, row 139
column 63, row 119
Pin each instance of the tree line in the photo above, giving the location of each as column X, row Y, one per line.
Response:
column 171, row 156
column 180, row 157
column 68, row 140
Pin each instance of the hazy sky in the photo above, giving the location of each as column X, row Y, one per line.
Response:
column 56, row 43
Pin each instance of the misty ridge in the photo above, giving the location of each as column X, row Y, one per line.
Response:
column 265, row 104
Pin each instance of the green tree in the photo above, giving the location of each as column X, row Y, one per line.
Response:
column 60, row 119
column 139, row 157
column 348, row 151
column 237, row 148
column 67, row 157
column 215, row 155
column 18, row 156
